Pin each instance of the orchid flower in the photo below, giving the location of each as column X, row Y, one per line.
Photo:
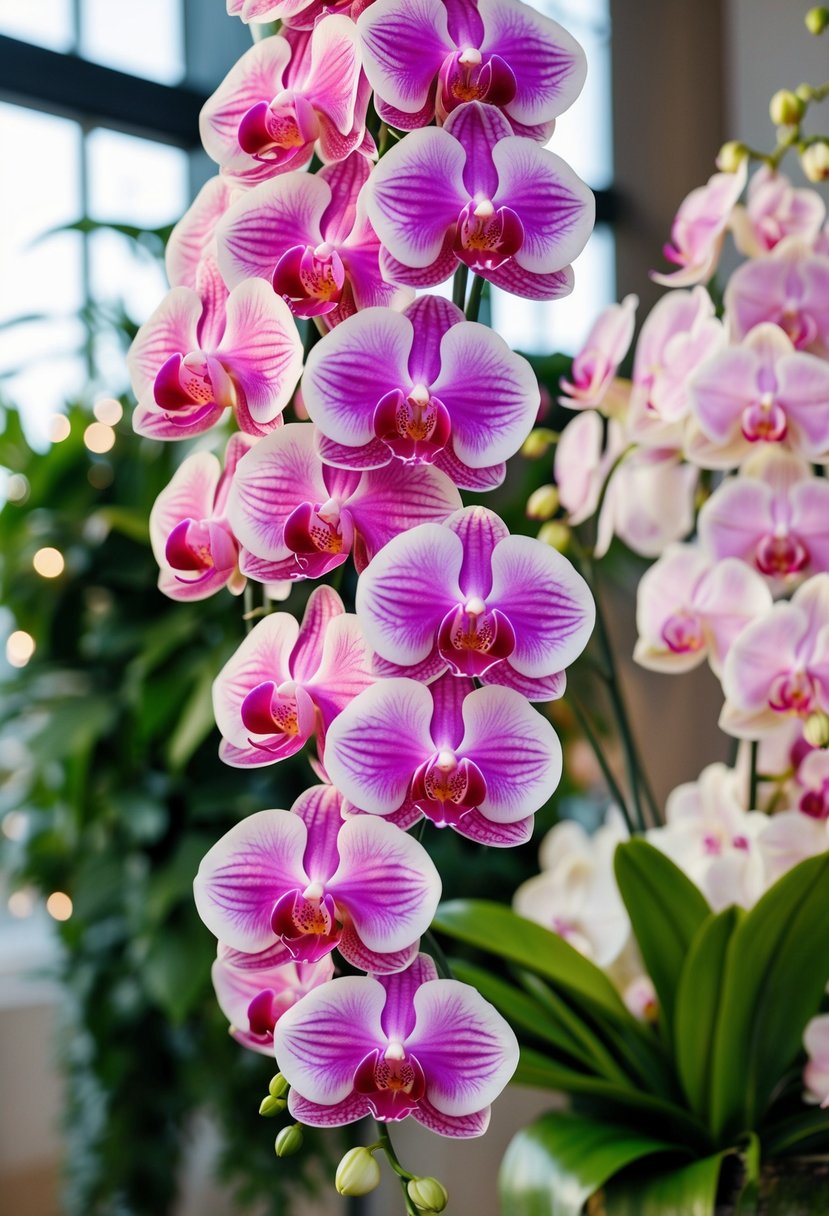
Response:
column 308, row 235
column 253, row 1000
column 596, row 364
column 296, row 14
column 698, row 230
column 468, row 597
column 789, row 288
column 803, row 830
column 392, row 1046
column 690, row 607
column 287, row 682
column 480, row 761
column 424, row 57
column 299, row 518
column 774, row 210
column 422, row 386
column 774, row 516
column 192, row 541
column 286, row 98
column 762, row 391
column 779, row 665
column 202, row 353
column 474, row 194
column 290, row 886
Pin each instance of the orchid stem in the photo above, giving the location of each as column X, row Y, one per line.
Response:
column 459, row 285
column 247, row 615
column 604, row 764
column 753, row 776
column 440, row 959
column 475, row 293
column 384, row 1143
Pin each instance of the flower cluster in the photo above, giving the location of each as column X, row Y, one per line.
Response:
column 418, row 704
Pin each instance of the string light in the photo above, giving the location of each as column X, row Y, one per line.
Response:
column 48, row 563
column 60, row 428
column 108, row 410
column 98, row 437
column 59, row 905
column 20, row 646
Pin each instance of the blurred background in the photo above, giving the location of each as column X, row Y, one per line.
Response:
column 122, row 1094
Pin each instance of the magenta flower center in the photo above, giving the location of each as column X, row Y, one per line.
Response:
column 306, row 922
column 319, row 528
column 270, row 130
column 764, row 420
column 199, row 546
column 797, row 325
column 682, row 632
column 793, row 693
column 183, row 382
column 815, row 803
column 415, row 427
column 487, row 236
column 262, row 1014
column 469, row 75
column 392, row 1080
column 472, row 637
column 310, row 280
column 268, row 710
column 781, row 555
column 445, row 787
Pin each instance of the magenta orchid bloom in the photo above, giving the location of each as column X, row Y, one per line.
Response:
column 596, row 364
column 254, row 999
column 698, row 230
column 299, row 518
column 774, row 516
column 192, row 541
column 286, row 98
column 423, row 386
column 779, row 665
column 392, row 1046
column 690, row 607
column 290, row 886
column 774, row 210
column 789, row 288
column 473, row 193
column 424, row 57
column 468, row 597
column 762, row 391
column 481, row 761
column 308, row 235
column 200, row 354
column 287, row 681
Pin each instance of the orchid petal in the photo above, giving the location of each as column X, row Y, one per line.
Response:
column 193, row 235
column 190, row 495
column 171, row 330
column 479, row 531
column 267, row 221
column 335, row 70
column 404, row 45
column 263, row 655
column 261, row 347
column 398, row 1018
column 345, row 668
column 460, row 1126
column 323, row 607
column 394, row 498
column 475, row 826
column 320, row 809
column 477, row 127
column 531, row 286
column 354, row 950
column 549, row 65
column 539, row 688
column 256, row 77
column 315, row 1114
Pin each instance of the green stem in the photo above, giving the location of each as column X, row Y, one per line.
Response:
column 247, row 615
column 440, row 959
column 459, row 285
column 604, row 764
column 384, row 1143
column 753, row 776
column 475, row 293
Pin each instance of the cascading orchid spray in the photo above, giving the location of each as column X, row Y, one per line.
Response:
column 333, row 212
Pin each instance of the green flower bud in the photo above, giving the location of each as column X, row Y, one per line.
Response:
column 542, row 503
column 278, row 1087
column 358, row 1173
column 555, row 534
column 272, row 1106
column 288, row 1141
column 731, row 156
column 816, row 729
column 817, row 19
column 538, row 443
column 814, row 161
column 786, row 108
column 427, row 1194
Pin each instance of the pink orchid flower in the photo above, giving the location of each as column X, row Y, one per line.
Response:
column 468, row 597
column 698, row 231
column 596, row 364
column 774, row 516
column 422, row 386
column 287, row 682
column 299, row 518
column 289, row 886
column 779, row 665
column 308, row 235
column 201, row 353
column 586, row 455
column 481, row 761
column 392, row 1046
column 192, row 541
column 762, row 391
column 473, row 193
column 424, row 57
column 774, row 210
column 691, row 606
column 286, row 98
column 296, row 14
column 789, row 288
column 254, row 999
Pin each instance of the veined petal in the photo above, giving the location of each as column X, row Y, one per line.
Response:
column 516, row 749
column 541, row 688
column 345, row 668
column 267, row 221
column 376, row 743
column 171, row 330
column 392, row 499
column 531, row 286
column 448, row 694
column 315, row 1114
column 479, row 531
column 477, row 128
column 261, row 347
column 475, row 826
column 548, row 604
column 466, row 1049
column 387, row 883
column 458, row 1126
column 245, row 873
column 404, row 44
column 398, row 1018
column 356, row 952
column 345, row 180
column 262, row 656
column 549, row 65
column 432, row 317
column 489, row 477
column 256, row 77
column 765, row 649
column 192, row 236
column 335, row 70
column 320, row 1042
column 320, row 809
column 406, row 591
column 190, row 495
column 323, row 607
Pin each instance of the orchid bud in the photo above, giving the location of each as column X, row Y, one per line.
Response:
column 538, row 443
column 278, row 1086
column 816, row 729
column 786, row 108
column 817, row 19
column 288, row 1141
column 555, row 534
column 542, row 503
column 358, row 1173
column 427, row 1194
column 271, row 1106
column 814, row 161
column 731, row 155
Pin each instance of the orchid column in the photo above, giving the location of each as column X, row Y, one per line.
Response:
column 418, row 707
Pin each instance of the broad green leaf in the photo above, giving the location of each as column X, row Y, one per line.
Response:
column 194, row 722
column 665, row 910
column 553, row 1166
column 697, row 1004
column 776, row 972
column 690, row 1190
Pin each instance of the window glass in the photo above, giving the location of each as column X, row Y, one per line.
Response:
column 48, row 23
column 135, row 181
column 145, row 39
column 584, row 133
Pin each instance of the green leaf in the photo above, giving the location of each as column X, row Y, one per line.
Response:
column 176, row 970
column 776, row 971
column 553, row 1166
column 697, row 1005
column 194, row 724
column 690, row 1190
column 665, row 910
column 789, row 1135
